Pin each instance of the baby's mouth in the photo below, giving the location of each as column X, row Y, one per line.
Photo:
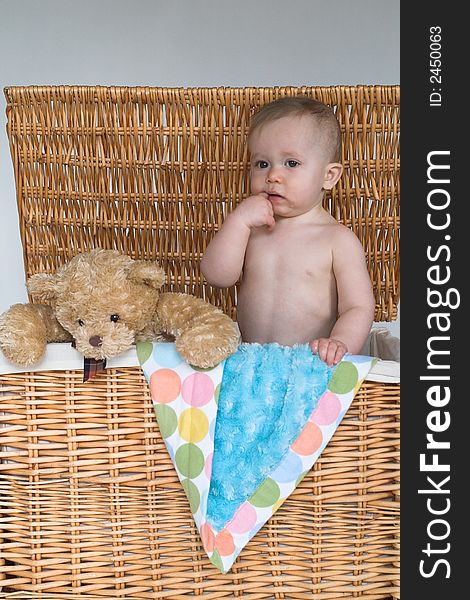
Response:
column 273, row 196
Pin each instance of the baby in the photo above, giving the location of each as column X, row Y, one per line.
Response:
column 303, row 275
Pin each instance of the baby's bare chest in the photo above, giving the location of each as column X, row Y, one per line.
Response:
column 305, row 257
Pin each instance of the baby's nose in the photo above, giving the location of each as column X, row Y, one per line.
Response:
column 96, row 341
column 273, row 175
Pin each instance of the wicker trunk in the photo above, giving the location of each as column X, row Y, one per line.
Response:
column 90, row 504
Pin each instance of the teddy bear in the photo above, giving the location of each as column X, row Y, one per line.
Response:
column 105, row 301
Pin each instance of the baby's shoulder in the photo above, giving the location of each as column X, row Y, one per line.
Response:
column 339, row 234
column 346, row 245
column 343, row 235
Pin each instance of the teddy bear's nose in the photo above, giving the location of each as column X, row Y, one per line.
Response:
column 95, row 341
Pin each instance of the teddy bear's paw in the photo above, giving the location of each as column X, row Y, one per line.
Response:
column 22, row 336
column 25, row 355
column 205, row 349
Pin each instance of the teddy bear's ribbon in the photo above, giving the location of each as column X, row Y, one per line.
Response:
column 91, row 366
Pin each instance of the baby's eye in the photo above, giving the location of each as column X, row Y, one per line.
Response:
column 292, row 163
column 114, row 318
column 261, row 164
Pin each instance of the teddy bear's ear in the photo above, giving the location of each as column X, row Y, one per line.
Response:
column 147, row 273
column 42, row 287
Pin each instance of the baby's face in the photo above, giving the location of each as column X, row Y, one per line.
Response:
column 288, row 164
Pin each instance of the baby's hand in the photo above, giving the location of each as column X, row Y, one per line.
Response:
column 256, row 211
column 329, row 350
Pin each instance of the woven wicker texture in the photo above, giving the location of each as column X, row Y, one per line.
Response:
column 90, row 504
column 154, row 171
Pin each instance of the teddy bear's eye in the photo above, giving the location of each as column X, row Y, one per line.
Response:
column 81, row 323
column 114, row 318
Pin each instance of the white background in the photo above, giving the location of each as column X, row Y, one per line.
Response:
column 184, row 43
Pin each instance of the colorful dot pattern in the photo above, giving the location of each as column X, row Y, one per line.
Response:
column 186, row 403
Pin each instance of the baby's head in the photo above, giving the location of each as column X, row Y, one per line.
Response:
column 326, row 130
column 295, row 147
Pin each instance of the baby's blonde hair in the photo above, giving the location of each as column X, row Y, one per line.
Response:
column 299, row 106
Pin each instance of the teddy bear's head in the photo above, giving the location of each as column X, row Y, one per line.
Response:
column 102, row 298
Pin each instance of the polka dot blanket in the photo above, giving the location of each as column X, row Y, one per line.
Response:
column 243, row 434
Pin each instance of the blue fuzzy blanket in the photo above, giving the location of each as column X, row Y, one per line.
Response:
column 267, row 395
column 243, row 434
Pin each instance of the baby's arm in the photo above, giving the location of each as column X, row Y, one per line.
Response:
column 223, row 259
column 356, row 303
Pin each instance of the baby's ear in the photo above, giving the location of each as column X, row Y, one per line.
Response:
column 43, row 287
column 147, row 273
column 332, row 175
